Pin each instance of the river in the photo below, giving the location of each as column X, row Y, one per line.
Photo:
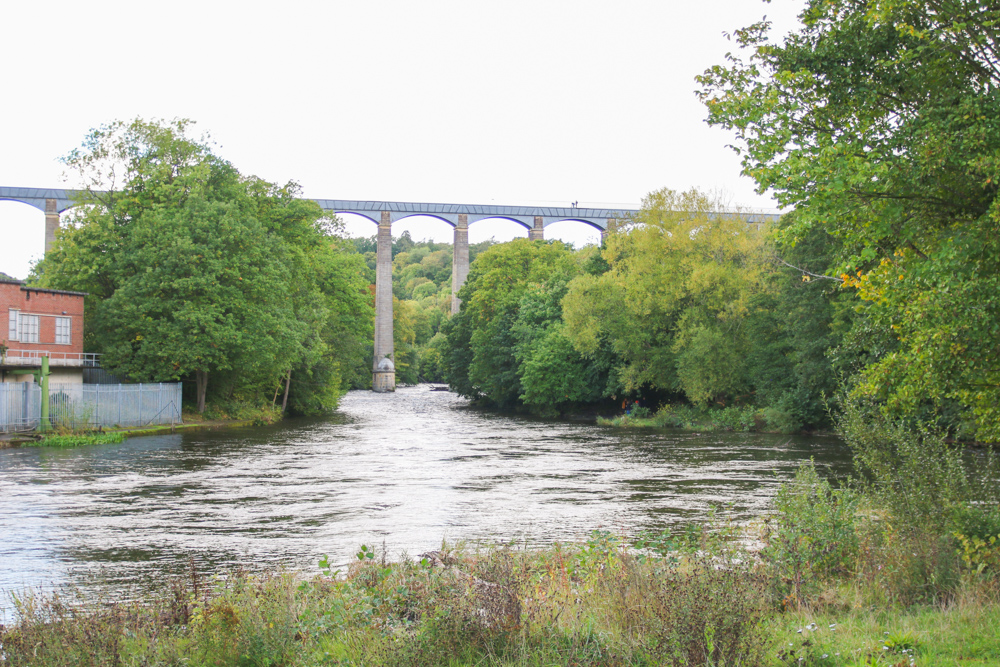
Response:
column 408, row 469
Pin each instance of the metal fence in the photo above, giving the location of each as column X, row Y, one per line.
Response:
column 90, row 405
column 20, row 406
column 100, row 376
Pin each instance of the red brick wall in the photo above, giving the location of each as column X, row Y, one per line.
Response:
column 32, row 302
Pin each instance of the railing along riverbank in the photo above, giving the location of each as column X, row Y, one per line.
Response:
column 78, row 406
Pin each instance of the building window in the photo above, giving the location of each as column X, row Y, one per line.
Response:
column 62, row 330
column 12, row 324
column 29, row 328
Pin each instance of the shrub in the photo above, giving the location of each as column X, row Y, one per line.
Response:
column 812, row 535
column 929, row 499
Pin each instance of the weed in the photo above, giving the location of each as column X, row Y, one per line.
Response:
column 80, row 439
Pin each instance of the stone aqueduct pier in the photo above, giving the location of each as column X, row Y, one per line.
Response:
column 383, row 213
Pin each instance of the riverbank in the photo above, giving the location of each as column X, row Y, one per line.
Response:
column 601, row 602
column 734, row 418
column 116, row 434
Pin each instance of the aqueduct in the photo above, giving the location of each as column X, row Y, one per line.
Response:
column 383, row 213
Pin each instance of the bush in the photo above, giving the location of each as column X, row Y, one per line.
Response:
column 811, row 537
column 258, row 414
column 928, row 500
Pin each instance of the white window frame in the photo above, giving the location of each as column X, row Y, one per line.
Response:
column 64, row 330
column 28, row 328
column 13, row 324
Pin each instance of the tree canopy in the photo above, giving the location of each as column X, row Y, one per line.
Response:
column 196, row 270
column 879, row 121
column 506, row 344
column 674, row 302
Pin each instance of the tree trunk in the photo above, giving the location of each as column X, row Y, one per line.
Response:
column 201, row 381
column 288, row 381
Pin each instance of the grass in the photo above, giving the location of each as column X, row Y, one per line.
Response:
column 744, row 418
column 606, row 601
column 964, row 631
column 78, row 439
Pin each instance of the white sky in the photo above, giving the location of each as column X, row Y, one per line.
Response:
column 516, row 102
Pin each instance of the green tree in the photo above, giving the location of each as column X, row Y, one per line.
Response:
column 510, row 302
column 339, row 309
column 879, row 120
column 193, row 269
column 553, row 375
column 673, row 304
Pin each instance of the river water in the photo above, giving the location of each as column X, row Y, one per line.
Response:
column 408, row 469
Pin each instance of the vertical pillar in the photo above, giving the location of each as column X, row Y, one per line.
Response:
column 537, row 233
column 608, row 228
column 51, row 223
column 383, row 366
column 459, row 260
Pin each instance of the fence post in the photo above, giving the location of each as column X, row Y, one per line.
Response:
column 43, row 424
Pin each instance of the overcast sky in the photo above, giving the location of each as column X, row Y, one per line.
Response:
column 541, row 102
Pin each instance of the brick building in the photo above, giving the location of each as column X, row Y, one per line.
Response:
column 42, row 322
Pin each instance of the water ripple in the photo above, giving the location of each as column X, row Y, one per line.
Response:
column 408, row 468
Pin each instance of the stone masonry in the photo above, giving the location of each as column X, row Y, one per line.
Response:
column 460, row 260
column 51, row 223
column 537, row 233
column 383, row 366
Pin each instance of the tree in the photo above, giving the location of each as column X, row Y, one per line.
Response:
column 193, row 269
column 505, row 344
column 673, row 304
column 339, row 308
column 879, row 120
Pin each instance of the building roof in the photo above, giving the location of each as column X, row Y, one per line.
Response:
column 41, row 289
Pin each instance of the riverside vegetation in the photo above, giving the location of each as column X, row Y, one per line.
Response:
column 872, row 308
column 196, row 272
column 899, row 567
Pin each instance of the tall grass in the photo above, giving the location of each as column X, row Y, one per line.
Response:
column 590, row 604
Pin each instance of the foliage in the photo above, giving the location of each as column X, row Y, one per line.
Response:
column 673, row 305
column 79, row 440
column 196, row 270
column 798, row 352
column 920, row 477
column 589, row 604
column 914, row 527
column 507, row 344
column 880, row 122
column 812, row 535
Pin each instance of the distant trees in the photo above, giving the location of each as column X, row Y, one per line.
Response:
column 507, row 343
column 676, row 299
column 197, row 271
column 686, row 302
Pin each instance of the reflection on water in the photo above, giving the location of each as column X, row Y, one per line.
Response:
column 408, row 468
